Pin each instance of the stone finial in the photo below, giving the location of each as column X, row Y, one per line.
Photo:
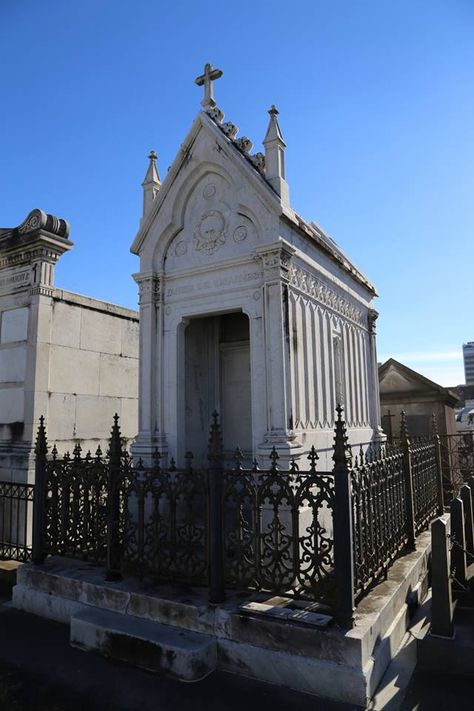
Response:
column 206, row 79
column 151, row 183
column 275, row 157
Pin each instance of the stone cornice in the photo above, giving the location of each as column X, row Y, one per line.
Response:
column 318, row 290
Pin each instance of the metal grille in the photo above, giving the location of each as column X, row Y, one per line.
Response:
column 379, row 518
column 76, row 506
column 278, row 533
column 425, row 491
column 16, row 510
column 457, row 458
column 164, row 513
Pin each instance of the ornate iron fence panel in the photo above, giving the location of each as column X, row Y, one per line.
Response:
column 278, row 531
column 16, row 510
column 164, row 531
column 76, row 507
column 457, row 457
column 425, row 484
column 379, row 517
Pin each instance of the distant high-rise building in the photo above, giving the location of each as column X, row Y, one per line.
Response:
column 468, row 353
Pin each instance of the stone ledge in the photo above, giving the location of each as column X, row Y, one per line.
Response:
column 159, row 648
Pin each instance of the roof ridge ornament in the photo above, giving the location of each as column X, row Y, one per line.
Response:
column 210, row 74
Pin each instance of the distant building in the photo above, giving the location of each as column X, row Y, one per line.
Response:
column 402, row 388
column 468, row 355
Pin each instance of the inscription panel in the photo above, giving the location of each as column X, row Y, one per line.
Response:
column 14, row 279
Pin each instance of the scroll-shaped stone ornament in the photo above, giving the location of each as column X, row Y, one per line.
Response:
column 37, row 220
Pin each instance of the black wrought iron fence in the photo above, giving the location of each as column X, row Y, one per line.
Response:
column 299, row 532
column 16, row 509
column 380, row 516
column 278, row 531
column 457, row 458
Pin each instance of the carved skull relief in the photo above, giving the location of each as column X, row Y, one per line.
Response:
column 209, row 232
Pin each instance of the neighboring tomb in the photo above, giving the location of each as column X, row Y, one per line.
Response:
column 402, row 388
column 67, row 357
column 246, row 308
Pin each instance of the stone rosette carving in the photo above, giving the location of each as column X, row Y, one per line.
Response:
column 209, row 191
column 210, row 232
column 240, row 233
column 318, row 290
column 181, row 248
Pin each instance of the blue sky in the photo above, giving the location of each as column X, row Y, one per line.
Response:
column 376, row 101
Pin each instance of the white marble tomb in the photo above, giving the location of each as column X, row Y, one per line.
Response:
column 245, row 307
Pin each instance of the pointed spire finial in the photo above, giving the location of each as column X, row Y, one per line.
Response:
column 275, row 157
column 151, row 183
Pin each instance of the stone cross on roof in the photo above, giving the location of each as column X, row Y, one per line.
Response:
column 206, row 79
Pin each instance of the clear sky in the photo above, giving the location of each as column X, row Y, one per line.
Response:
column 376, row 101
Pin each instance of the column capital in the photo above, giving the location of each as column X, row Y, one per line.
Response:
column 149, row 287
column 276, row 260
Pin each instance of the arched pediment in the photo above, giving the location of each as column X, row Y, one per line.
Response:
column 210, row 222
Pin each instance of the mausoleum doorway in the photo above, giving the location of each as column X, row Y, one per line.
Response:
column 217, row 377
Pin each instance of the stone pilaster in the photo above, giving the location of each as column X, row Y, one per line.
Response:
column 150, row 417
column 276, row 260
column 374, row 395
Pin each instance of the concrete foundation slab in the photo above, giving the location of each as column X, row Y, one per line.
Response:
column 269, row 638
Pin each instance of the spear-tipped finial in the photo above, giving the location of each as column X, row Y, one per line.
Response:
column 214, row 452
column 41, row 445
column 404, row 436
column 313, row 458
column 341, row 453
column 115, row 439
column 274, row 457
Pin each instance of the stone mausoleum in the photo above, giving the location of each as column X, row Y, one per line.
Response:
column 64, row 356
column 245, row 307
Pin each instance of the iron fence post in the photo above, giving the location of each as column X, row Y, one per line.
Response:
column 343, row 531
column 439, row 466
column 113, row 504
column 216, row 542
column 458, row 537
column 408, row 474
column 466, row 498
column 39, row 501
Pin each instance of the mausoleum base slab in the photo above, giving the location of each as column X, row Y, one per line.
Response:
column 272, row 639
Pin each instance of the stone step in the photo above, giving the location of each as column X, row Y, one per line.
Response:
column 189, row 656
